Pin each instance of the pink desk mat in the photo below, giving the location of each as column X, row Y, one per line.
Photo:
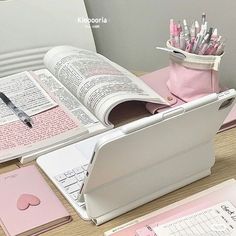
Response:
column 157, row 81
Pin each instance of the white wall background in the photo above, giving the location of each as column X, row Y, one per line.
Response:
column 135, row 27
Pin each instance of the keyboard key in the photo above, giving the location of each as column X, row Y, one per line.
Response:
column 78, row 170
column 85, row 167
column 69, row 173
column 73, row 188
column 67, row 182
column 80, row 177
column 82, row 205
column 61, row 177
column 75, row 195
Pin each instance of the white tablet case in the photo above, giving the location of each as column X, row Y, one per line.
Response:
column 145, row 164
column 28, row 28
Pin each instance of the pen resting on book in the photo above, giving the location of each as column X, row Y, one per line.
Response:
column 18, row 112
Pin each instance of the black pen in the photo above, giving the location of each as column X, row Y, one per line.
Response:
column 19, row 113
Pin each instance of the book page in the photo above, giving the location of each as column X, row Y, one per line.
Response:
column 53, row 86
column 96, row 81
column 217, row 220
column 26, row 94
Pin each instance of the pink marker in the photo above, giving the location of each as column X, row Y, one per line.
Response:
column 219, row 38
column 186, row 31
column 203, row 42
column 203, row 18
column 203, row 49
column 220, row 49
column 212, row 49
column 209, row 49
column 182, row 43
column 172, row 35
column 193, row 33
column 189, row 47
column 176, row 34
column 197, row 27
column 214, row 35
column 179, row 28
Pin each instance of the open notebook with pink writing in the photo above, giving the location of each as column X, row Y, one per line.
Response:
column 49, row 128
column 52, row 123
column 210, row 212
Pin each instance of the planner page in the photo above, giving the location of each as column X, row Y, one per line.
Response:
column 207, row 213
column 217, row 220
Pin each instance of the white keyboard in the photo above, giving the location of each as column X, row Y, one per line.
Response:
column 70, row 183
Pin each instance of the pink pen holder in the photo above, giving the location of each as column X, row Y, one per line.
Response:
column 192, row 76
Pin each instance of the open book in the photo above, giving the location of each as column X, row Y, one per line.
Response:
column 85, row 87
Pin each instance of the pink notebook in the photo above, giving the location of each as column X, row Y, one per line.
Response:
column 27, row 204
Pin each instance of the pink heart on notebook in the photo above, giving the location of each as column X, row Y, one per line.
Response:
column 26, row 200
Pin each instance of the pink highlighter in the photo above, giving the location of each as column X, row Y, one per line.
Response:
column 172, row 33
column 212, row 49
column 176, row 34
column 189, row 47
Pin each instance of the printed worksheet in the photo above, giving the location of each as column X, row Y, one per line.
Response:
column 219, row 220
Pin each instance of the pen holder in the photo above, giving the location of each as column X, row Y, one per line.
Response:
column 192, row 76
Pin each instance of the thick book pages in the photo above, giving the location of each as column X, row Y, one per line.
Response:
column 202, row 210
column 98, row 83
column 54, row 87
column 28, row 205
